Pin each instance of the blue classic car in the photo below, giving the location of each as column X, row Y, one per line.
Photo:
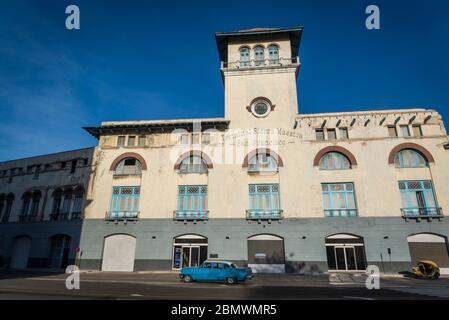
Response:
column 216, row 271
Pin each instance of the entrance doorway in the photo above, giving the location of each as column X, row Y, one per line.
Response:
column 119, row 253
column 266, row 254
column 427, row 246
column 189, row 250
column 20, row 252
column 345, row 252
column 58, row 257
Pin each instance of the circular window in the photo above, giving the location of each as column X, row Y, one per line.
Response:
column 260, row 108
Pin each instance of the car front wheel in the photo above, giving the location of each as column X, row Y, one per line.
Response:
column 187, row 278
column 231, row 280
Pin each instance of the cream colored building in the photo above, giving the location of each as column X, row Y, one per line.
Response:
column 267, row 186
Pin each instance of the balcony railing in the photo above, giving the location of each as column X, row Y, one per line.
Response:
column 340, row 212
column 59, row 216
column 280, row 62
column 76, row 216
column 5, row 219
column 27, row 218
column 190, row 215
column 122, row 215
column 264, row 214
column 417, row 213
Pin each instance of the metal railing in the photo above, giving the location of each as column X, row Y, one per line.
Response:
column 76, row 216
column 59, row 216
column 122, row 215
column 190, row 215
column 340, row 212
column 264, row 214
column 430, row 212
column 27, row 218
column 241, row 64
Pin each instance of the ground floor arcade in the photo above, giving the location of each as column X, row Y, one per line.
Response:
column 291, row 245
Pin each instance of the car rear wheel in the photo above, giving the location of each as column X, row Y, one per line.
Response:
column 231, row 280
column 187, row 278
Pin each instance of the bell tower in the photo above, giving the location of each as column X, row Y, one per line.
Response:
column 259, row 69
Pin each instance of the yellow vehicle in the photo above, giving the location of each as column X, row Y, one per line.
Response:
column 426, row 269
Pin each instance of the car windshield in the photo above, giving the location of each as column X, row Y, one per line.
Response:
column 233, row 265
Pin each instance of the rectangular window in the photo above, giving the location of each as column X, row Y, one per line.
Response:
column 34, row 208
column 121, row 141
column 65, row 210
column 264, row 201
column 73, row 167
column 36, row 172
column 343, row 133
column 392, row 131
column 331, row 134
column 205, row 138
column 184, row 139
column 417, row 131
column 405, row 131
column 25, row 207
column 418, row 198
column 7, row 213
column 124, row 203
column 339, row 200
column 77, row 207
column 142, row 141
column 131, row 141
column 319, row 134
column 192, row 202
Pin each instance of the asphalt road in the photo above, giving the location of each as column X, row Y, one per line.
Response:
column 156, row 286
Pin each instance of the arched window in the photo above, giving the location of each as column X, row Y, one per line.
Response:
column 9, row 203
column 244, row 57
column 26, row 201
column 334, row 161
column 273, row 54
column 262, row 162
column 66, row 204
column 410, row 158
column 36, row 199
column 78, row 203
column 193, row 164
column 2, row 204
column 128, row 166
column 259, row 56
column 56, row 208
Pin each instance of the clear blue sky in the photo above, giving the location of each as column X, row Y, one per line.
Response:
column 138, row 59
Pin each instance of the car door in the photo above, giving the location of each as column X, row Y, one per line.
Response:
column 203, row 272
column 214, row 272
column 221, row 272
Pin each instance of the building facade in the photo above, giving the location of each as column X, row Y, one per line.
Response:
column 41, row 209
column 266, row 186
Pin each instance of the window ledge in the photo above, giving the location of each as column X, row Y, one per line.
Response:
column 422, row 213
column 261, row 215
column 122, row 216
column 181, row 215
column 126, row 175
